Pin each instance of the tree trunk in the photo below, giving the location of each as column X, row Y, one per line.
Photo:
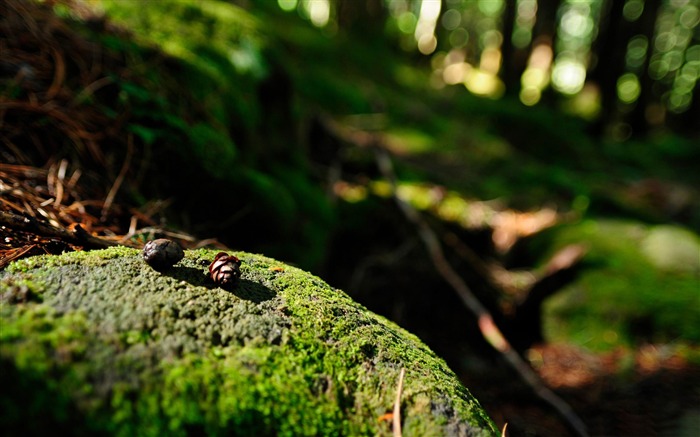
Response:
column 609, row 52
column 364, row 18
column 646, row 25
column 546, row 30
column 509, row 73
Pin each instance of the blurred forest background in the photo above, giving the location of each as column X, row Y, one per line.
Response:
column 550, row 149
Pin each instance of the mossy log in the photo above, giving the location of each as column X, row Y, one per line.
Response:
column 100, row 343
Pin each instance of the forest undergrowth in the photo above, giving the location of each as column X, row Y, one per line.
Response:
column 226, row 127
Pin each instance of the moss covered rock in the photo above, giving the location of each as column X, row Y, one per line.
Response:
column 640, row 286
column 99, row 343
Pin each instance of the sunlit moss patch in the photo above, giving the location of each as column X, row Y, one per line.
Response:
column 116, row 347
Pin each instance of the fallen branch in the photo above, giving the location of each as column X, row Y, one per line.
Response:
column 488, row 328
column 78, row 236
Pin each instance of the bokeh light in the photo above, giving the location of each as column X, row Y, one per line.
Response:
column 568, row 76
column 636, row 51
column 564, row 59
column 287, row 5
column 425, row 28
column 451, row 19
column 628, row 88
column 633, row 9
column 319, row 11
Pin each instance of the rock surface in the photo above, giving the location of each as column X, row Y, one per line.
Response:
column 99, row 343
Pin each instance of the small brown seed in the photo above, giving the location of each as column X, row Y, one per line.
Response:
column 225, row 270
column 161, row 254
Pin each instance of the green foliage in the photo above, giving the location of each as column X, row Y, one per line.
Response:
column 215, row 151
column 624, row 296
column 192, row 101
column 200, row 106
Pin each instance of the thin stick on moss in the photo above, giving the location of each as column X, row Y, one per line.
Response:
column 396, row 417
column 487, row 326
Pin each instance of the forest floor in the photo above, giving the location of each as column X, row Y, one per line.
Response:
column 656, row 394
column 647, row 391
column 653, row 391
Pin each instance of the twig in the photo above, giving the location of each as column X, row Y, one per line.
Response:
column 90, row 89
column 78, row 236
column 396, row 417
column 55, row 183
column 120, row 177
column 59, row 74
column 9, row 255
column 172, row 234
column 488, row 328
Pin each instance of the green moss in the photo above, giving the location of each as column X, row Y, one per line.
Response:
column 118, row 348
column 627, row 296
column 94, row 258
